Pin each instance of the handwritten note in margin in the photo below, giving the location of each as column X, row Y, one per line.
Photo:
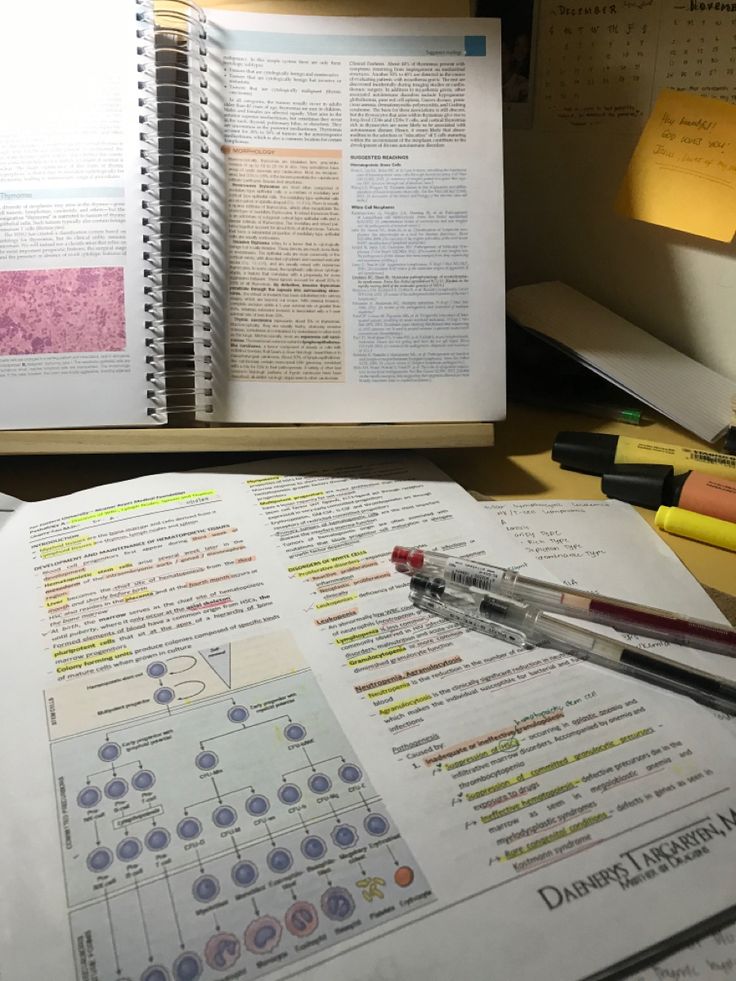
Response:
column 683, row 171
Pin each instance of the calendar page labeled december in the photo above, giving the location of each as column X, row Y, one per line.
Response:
column 604, row 63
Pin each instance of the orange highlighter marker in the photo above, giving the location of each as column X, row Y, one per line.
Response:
column 653, row 485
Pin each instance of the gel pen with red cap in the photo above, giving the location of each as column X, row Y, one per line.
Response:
column 521, row 624
column 619, row 614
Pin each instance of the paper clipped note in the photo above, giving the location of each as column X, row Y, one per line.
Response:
column 683, row 171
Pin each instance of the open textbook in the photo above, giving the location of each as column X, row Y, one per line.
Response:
column 239, row 751
column 249, row 218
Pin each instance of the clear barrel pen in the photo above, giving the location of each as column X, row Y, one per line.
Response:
column 619, row 614
column 518, row 623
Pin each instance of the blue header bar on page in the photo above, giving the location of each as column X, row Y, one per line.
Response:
column 351, row 44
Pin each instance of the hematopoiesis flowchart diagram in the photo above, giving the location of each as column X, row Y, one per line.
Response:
column 222, row 835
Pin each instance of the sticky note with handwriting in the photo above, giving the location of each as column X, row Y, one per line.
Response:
column 683, row 171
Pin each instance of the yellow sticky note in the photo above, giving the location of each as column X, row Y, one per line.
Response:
column 683, row 172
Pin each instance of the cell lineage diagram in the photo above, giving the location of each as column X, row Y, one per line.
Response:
column 224, row 836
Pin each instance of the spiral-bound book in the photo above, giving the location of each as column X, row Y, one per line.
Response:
column 229, row 217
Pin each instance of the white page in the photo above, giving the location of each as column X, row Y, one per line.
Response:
column 712, row 958
column 71, row 258
column 695, row 397
column 180, row 615
column 364, row 219
column 606, row 547
column 8, row 504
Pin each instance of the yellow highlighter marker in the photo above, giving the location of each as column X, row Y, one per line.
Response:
column 598, row 452
column 699, row 527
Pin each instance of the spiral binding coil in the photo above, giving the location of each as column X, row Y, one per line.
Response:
column 174, row 154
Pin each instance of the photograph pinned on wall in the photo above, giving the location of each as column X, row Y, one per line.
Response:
column 518, row 41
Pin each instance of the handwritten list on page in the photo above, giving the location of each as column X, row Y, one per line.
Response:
column 683, row 171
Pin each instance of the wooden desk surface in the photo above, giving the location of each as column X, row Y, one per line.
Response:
column 518, row 466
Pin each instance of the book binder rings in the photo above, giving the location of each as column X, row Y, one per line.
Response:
column 175, row 129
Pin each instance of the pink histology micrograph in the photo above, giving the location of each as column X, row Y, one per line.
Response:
column 58, row 311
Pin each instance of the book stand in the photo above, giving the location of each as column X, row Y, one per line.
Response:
column 236, row 438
